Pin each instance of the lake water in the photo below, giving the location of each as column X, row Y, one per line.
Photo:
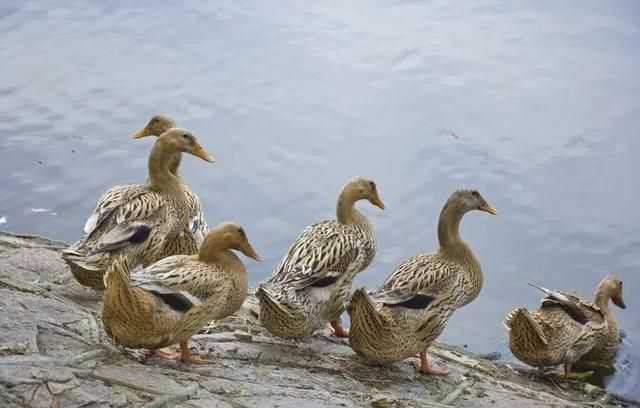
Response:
column 535, row 103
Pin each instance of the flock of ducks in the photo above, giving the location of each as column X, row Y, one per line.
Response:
column 190, row 275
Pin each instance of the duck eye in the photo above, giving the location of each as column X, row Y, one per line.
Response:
column 475, row 193
column 185, row 136
column 372, row 184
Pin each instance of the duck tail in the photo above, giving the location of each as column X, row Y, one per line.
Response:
column 521, row 323
column 270, row 302
column 85, row 269
column 73, row 254
column 364, row 316
column 117, row 280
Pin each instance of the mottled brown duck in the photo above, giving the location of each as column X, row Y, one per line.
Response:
column 410, row 310
column 139, row 223
column 566, row 328
column 309, row 287
column 169, row 301
column 195, row 231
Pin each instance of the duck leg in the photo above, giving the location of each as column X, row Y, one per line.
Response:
column 187, row 357
column 569, row 374
column 338, row 330
column 434, row 368
column 567, row 369
column 581, row 345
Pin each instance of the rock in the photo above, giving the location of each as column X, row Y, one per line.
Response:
column 242, row 335
column 492, row 356
column 53, row 352
column 592, row 390
column 381, row 403
column 12, row 348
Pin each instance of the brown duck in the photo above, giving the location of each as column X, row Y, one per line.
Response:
column 172, row 299
column 139, row 221
column 411, row 308
column 567, row 328
column 309, row 287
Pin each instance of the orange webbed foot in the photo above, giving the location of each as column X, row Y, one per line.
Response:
column 165, row 353
column 338, row 330
column 431, row 367
column 187, row 357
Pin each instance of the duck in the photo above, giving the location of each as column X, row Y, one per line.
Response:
column 411, row 308
column 193, row 235
column 172, row 299
column 145, row 216
column 309, row 287
column 566, row 328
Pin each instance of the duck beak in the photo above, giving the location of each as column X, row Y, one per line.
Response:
column 486, row 207
column 199, row 151
column 617, row 300
column 141, row 133
column 248, row 250
column 375, row 200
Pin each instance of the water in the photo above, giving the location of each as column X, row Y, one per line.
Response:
column 534, row 103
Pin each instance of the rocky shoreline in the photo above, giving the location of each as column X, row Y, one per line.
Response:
column 54, row 353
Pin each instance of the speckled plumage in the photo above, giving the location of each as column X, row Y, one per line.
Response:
column 191, row 237
column 598, row 310
column 309, row 287
column 186, row 241
column 134, row 317
column 169, row 301
column 411, row 308
column 567, row 328
column 549, row 336
column 400, row 331
column 137, row 220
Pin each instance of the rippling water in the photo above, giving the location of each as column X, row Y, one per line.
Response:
column 536, row 104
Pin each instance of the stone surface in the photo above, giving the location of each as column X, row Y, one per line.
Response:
column 592, row 390
column 54, row 353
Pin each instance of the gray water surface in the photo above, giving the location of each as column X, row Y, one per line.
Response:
column 535, row 103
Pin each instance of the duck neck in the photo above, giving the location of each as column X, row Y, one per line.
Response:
column 174, row 164
column 448, row 227
column 601, row 299
column 160, row 175
column 214, row 251
column 455, row 249
column 346, row 211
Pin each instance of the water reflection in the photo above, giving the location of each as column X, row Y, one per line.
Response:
column 535, row 104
